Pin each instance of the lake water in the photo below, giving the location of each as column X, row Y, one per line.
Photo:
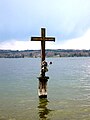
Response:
column 68, row 89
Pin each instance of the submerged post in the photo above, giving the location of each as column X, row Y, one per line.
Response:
column 42, row 90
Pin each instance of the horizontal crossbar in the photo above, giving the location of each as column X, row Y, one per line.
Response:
column 43, row 38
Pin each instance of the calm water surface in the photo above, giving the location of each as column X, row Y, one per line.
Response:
column 68, row 89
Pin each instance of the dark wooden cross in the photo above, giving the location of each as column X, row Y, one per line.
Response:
column 42, row 79
column 43, row 39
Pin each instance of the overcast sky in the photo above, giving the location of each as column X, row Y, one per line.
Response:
column 67, row 20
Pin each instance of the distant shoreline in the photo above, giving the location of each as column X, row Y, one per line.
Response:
column 49, row 53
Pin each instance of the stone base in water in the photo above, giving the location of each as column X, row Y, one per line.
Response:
column 42, row 94
column 42, row 89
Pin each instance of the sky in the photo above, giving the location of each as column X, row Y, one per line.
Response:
column 66, row 20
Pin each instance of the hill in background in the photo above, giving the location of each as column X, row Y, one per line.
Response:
column 49, row 53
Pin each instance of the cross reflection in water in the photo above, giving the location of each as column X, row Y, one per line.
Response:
column 43, row 110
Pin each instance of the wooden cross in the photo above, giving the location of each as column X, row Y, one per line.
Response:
column 43, row 39
column 42, row 91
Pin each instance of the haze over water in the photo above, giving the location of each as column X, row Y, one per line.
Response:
column 68, row 89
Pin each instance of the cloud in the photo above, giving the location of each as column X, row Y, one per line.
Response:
column 20, row 18
column 82, row 42
column 19, row 45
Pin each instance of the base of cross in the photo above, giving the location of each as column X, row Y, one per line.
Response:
column 42, row 89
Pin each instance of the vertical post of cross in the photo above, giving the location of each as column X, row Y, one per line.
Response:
column 42, row 49
column 43, row 44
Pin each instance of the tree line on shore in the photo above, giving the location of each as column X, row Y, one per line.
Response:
column 49, row 53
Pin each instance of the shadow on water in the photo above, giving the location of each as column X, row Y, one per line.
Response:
column 43, row 110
